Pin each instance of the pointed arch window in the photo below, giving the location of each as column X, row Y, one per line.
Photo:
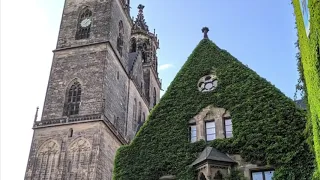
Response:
column 133, row 45
column 154, row 97
column 120, row 38
column 143, row 117
column 84, row 24
column 134, row 113
column 140, row 112
column 73, row 99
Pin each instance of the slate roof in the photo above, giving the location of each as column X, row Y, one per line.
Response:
column 210, row 153
column 301, row 104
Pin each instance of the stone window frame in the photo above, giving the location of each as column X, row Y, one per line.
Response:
column 210, row 113
column 69, row 98
column 83, row 33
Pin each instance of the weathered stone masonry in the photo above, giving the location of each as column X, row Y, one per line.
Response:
column 81, row 128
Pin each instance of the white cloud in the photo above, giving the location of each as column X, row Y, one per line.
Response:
column 165, row 66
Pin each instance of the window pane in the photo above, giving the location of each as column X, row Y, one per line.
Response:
column 210, row 125
column 228, row 122
column 211, row 131
column 193, row 133
column 229, row 128
column 229, row 134
column 211, row 137
column 268, row 175
column 193, row 128
column 257, row 176
column 193, row 139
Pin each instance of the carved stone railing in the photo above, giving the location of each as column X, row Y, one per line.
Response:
column 74, row 119
column 67, row 120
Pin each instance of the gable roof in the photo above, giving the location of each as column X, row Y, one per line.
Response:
column 210, row 153
column 267, row 126
column 301, row 104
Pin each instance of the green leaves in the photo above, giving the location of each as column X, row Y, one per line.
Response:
column 267, row 126
column 308, row 66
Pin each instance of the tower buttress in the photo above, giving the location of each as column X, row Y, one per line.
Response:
column 147, row 43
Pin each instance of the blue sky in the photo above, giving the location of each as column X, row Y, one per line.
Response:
column 259, row 33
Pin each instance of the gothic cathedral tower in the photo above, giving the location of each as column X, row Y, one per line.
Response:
column 102, row 85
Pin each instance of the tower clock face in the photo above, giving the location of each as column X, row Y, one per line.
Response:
column 85, row 23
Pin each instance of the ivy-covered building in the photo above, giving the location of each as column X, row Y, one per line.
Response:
column 218, row 120
column 307, row 15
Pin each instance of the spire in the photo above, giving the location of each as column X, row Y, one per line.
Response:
column 140, row 21
column 205, row 31
column 36, row 115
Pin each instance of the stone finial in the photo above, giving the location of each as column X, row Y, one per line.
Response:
column 205, row 31
column 36, row 115
column 140, row 7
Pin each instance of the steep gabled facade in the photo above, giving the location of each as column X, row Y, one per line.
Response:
column 98, row 93
column 217, row 119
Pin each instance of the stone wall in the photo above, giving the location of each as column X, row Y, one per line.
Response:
column 118, row 14
column 115, row 90
column 132, row 123
column 57, row 154
column 85, row 64
column 152, row 84
column 101, row 21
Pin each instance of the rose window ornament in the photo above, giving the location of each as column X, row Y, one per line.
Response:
column 207, row 83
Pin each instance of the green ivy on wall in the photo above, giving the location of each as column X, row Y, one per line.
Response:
column 310, row 70
column 267, row 125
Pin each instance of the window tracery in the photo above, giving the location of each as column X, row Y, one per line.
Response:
column 47, row 160
column 207, row 83
column 84, row 24
column 209, row 124
column 120, row 38
column 73, row 99
column 78, row 158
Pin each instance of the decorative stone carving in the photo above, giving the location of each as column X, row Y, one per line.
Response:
column 207, row 83
column 46, row 161
column 78, row 159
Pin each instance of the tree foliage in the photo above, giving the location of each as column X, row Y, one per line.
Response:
column 309, row 68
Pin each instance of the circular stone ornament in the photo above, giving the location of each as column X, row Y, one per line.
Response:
column 207, row 83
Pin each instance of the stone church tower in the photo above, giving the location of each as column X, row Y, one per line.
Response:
column 102, row 85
